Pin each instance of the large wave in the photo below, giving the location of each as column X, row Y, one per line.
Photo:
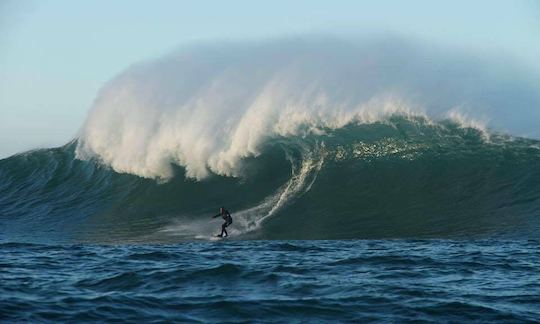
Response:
column 304, row 138
column 403, row 176
column 208, row 107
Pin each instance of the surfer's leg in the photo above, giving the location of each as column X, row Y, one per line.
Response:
column 223, row 230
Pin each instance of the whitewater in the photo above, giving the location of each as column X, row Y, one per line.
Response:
column 207, row 107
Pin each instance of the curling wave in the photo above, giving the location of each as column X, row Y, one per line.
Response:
column 304, row 138
column 403, row 176
column 207, row 108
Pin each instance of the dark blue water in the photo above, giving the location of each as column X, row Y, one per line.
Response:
column 273, row 281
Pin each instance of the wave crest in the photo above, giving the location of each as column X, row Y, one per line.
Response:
column 207, row 108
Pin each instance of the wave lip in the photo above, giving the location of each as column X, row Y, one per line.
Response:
column 210, row 107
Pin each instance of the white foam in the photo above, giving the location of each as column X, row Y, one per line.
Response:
column 206, row 108
column 302, row 178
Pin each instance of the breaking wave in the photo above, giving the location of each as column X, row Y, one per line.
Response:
column 403, row 176
column 208, row 107
column 299, row 139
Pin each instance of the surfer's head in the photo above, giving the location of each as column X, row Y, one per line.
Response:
column 221, row 209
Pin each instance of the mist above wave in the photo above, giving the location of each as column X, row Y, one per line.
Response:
column 208, row 107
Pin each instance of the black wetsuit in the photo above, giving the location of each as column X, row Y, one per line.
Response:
column 228, row 221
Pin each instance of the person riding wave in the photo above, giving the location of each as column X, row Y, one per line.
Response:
column 228, row 220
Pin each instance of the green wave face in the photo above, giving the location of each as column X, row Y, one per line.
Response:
column 402, row 177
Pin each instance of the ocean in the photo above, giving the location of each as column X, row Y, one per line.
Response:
column 436, row 281
column 402, row 219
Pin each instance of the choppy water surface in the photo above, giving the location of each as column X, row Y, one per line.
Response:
column 267, row 281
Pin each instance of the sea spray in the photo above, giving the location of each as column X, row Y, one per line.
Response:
column 208, row 107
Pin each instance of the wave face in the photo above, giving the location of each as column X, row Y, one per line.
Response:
column 305, row 138
column 401, row 176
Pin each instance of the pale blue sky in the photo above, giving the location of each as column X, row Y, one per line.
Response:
column 55, row 55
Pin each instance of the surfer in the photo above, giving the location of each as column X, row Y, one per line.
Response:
column 224, row 213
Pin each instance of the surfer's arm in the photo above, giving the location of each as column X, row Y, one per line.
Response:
column 216, row 216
